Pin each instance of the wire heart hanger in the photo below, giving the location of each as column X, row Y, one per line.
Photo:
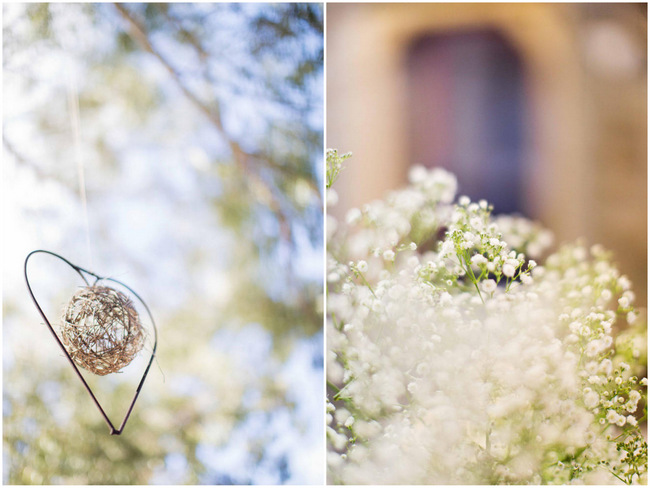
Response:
column 83, row 273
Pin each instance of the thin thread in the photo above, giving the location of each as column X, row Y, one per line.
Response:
column 73, row 105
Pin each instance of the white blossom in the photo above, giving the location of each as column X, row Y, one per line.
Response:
column 489, row 286
column 478, row 260
column 448, row 373
column 389, row 255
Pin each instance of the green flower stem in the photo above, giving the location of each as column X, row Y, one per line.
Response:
column 464, row 261
column 365, row 282
column 334, row 387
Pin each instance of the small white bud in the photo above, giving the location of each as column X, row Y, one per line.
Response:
column 489, row 286
column 389, row 255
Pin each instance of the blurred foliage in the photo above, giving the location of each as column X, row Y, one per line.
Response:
column 201, row 133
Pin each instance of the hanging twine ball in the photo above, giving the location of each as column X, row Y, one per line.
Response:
column 101, row 330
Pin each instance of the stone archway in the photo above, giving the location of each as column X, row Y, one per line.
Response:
column 368, row 43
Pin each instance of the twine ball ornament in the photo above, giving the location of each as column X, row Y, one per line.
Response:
column 101, row 330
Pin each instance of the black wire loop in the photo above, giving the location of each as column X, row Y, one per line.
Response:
column 83, row 272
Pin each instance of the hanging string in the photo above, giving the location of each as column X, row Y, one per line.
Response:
column 73, row 106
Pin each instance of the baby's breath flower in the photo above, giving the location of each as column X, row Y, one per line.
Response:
column 442, row 355
column 353, row 216
column 489, row 286
column 478, row 260
column 611, row 416
column 332, row 198
column 417, row 174
column 389, row 255
column 592, row 399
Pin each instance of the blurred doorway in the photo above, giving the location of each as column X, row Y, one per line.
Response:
column 466, row 113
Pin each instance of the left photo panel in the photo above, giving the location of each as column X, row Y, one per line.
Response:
column 163, row 243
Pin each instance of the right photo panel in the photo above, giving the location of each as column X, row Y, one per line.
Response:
column 486, row 243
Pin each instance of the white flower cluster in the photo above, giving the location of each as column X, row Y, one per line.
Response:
column 453, row 358
column 334, row 165
column 528, row 237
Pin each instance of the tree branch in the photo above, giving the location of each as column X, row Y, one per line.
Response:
column 138, row 33
column 22, row 159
